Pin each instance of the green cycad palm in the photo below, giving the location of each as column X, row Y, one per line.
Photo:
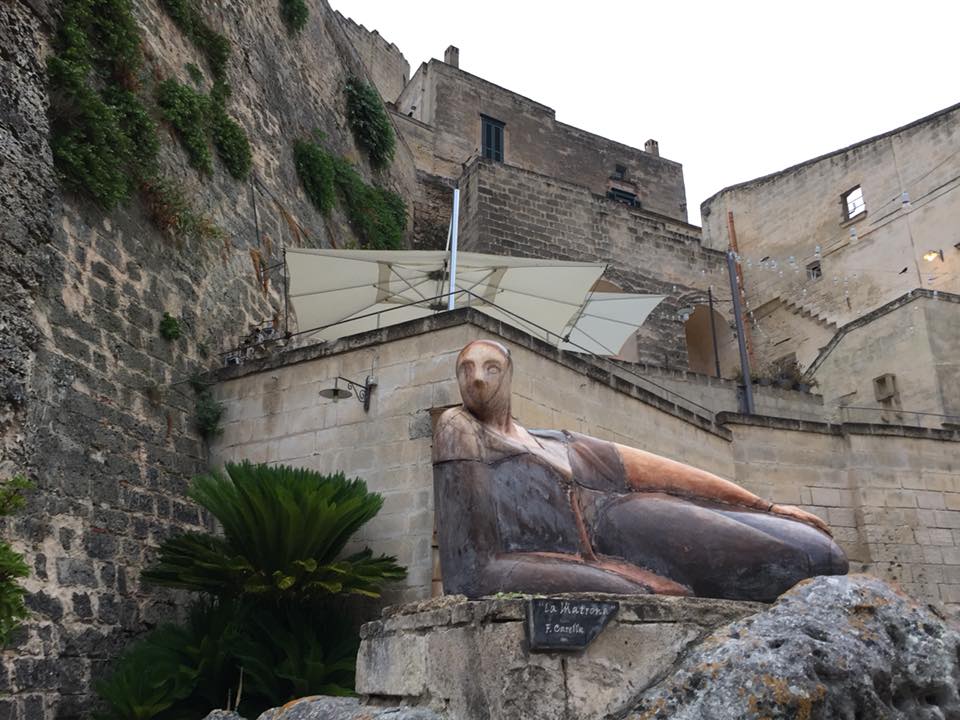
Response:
column 283, row 530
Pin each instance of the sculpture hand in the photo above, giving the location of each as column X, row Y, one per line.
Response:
column 796, row 513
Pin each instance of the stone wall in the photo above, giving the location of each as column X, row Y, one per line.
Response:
column 471, row 660
column 722, row 395
column 866, row 261
column 890, row 493
column 274, row 414
column 916, row 339
column 96, row 406
column 451, row 102
column 508, row 210
column 388, row 68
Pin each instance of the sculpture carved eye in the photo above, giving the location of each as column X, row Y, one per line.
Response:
column 493, row 369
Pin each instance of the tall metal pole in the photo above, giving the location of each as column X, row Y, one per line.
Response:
column 713, row 330
column 747, row 397
column 454, row 221
column 732, row 230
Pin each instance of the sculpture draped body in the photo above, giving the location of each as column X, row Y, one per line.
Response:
column 555, row 511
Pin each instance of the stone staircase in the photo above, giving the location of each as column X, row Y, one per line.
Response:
column 813, row 306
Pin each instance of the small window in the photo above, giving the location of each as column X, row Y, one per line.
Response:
column 622, row 196
column 619, row 172
column 492, row 138
column 853, row 204
column 814, row 271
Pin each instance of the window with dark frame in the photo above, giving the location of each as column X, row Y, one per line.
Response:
column 853, row 204
column 492, row 138
column 814, row 271
column 619, row 172
column 622, row 196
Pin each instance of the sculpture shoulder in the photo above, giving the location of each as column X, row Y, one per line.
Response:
column 457, row 436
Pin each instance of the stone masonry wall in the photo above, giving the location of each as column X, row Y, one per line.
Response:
column 866, row 261
column 891, row 494
column 94, row 405
column 276, row 415
column 387, row 66
column 506, row 210
column 451, row 101
column 898, row 343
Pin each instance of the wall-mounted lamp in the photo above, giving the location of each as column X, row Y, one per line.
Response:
column 931, row 255
column 362, row 392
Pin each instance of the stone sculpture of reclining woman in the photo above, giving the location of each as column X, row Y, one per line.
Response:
column 553, row 511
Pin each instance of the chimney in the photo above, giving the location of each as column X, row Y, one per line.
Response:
column 451, row 56
column 652, row 147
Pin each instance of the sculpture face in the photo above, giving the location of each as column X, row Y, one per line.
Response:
column 484, row 372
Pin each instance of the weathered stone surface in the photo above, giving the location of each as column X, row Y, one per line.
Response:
column 321, row 707
column 224, row 715
column 832, row 647
column 472, row 659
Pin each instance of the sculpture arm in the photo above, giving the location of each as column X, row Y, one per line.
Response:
column 556, row 573
column 647, row 472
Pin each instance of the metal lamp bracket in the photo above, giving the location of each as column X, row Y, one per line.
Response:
column 362, row 392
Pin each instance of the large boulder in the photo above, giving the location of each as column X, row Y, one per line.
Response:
column 323, row 707
column 832, row 647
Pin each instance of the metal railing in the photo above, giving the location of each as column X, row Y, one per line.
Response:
column 614, row 368
column 897, row 416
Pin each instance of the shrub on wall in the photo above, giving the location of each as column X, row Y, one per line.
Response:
column 12, row 566
column 231, row 143
column 188, row 111
column 294, row 14
column 186, row 15
column 272, row 585
column 102, row 138
column 169, row 327
column 315, row 170
column 377, row 215
column 369, row 122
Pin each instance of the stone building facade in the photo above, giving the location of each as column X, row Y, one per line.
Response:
column 594, row 189
column 511, row 210
column 890, row 493
column 851, row 264
column 95, row 406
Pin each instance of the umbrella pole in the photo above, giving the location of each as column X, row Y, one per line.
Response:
column 454, row 221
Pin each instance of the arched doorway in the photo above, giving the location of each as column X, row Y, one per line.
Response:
column 701, row 357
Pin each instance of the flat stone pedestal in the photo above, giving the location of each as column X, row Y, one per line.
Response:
column 470, row 659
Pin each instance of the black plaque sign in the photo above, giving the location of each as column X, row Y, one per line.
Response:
column 564, row 624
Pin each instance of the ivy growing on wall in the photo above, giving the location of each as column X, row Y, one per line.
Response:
column 377, row 215
column 188, row 111
column 294, row 14
column 169, row 327
column 315, row 170
column 215, row 47
column 369, row 122
column 229, row 139
column 104, row 140
column 102, row 136
column 12, row 566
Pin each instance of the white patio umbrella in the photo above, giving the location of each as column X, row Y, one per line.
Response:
column 344, row 292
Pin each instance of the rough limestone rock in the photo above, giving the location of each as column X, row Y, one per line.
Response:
column 832, row 647
column 322, row 707
column 223, row 715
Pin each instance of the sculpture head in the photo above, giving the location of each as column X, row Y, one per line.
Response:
column 484, row 372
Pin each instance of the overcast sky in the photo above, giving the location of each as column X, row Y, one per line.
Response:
column 732, row 90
